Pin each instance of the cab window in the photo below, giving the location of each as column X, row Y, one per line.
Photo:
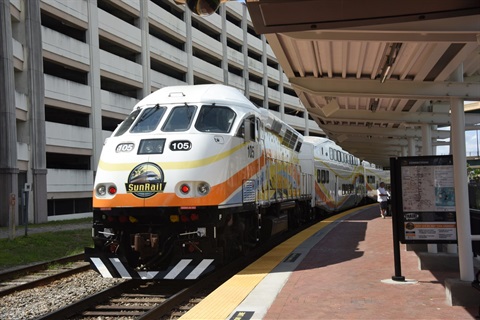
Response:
column 148, row 120
column 127, row 123
column 247, row 129
column 179, row 119
column 215, row 119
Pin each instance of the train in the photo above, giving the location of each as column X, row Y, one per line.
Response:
column 197, row 175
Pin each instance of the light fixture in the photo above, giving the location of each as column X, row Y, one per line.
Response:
column 385, row 73
column 374, row 105
column 330, row 108
column 389, row 61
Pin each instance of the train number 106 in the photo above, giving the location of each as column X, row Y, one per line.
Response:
column 180, row 145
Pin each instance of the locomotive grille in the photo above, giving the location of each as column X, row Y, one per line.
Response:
column 248, row 191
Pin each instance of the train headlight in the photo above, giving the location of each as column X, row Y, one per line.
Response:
column 203, row 188
column 151, row 146
column 192, row 189
column 101, row 190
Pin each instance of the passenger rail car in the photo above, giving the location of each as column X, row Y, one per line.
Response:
column 197, row 175
column 339, row 183
column 373, row 176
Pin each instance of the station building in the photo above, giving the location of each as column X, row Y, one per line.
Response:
column 72, row 70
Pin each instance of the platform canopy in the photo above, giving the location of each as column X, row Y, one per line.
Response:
column 373, row 73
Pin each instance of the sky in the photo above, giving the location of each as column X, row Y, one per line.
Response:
column 471, row 144
column 472, row 140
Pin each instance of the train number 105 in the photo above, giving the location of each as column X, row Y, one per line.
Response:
column 124, row 147
column 180, row 145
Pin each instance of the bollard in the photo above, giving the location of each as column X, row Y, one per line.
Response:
column 11, row 229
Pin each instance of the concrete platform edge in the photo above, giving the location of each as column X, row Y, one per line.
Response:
column 461, row 293
column 438, row 261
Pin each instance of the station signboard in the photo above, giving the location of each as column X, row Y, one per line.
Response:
column 425, row 199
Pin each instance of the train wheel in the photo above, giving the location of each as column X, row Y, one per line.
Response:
column 232, row 237
column 309, row 212
column 252, row 230
column 295, row 217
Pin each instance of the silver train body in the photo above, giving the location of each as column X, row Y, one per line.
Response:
column 198, row 175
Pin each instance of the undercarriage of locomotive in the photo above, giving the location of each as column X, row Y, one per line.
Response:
column 170, row 243
column 155, row 239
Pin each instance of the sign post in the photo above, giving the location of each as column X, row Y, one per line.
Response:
column 423, row 201
column 396, row 237
column 428, row 200
column 11, row 234
column 26, row 191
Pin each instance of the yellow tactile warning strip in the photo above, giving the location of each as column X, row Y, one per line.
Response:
column 223, row 301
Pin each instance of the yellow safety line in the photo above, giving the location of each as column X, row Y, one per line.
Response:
column 221, row 302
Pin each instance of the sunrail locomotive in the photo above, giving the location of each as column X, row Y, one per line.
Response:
column 193, row 177
column 197, row 175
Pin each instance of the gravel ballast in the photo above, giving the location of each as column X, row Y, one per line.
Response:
column 33, row 303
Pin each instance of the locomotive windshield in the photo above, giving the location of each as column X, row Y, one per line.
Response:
column 127, row 123
column 179, row 118
column 149, row 119
column 215, row 119
column 211, row 118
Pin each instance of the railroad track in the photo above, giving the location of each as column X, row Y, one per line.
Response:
column 163, row 299
column 132, row 299
column 140, row 299
column 39, row 274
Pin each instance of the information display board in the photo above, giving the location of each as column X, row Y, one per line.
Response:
column 425, row 199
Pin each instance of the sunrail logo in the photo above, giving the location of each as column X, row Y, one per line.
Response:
column 411, row 216
column 145, row 180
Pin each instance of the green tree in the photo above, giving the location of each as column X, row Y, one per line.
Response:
column 473, row 173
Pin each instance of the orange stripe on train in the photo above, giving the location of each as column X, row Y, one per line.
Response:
column 217, row 195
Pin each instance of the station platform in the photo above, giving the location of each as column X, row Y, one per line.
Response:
column 340, row 268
